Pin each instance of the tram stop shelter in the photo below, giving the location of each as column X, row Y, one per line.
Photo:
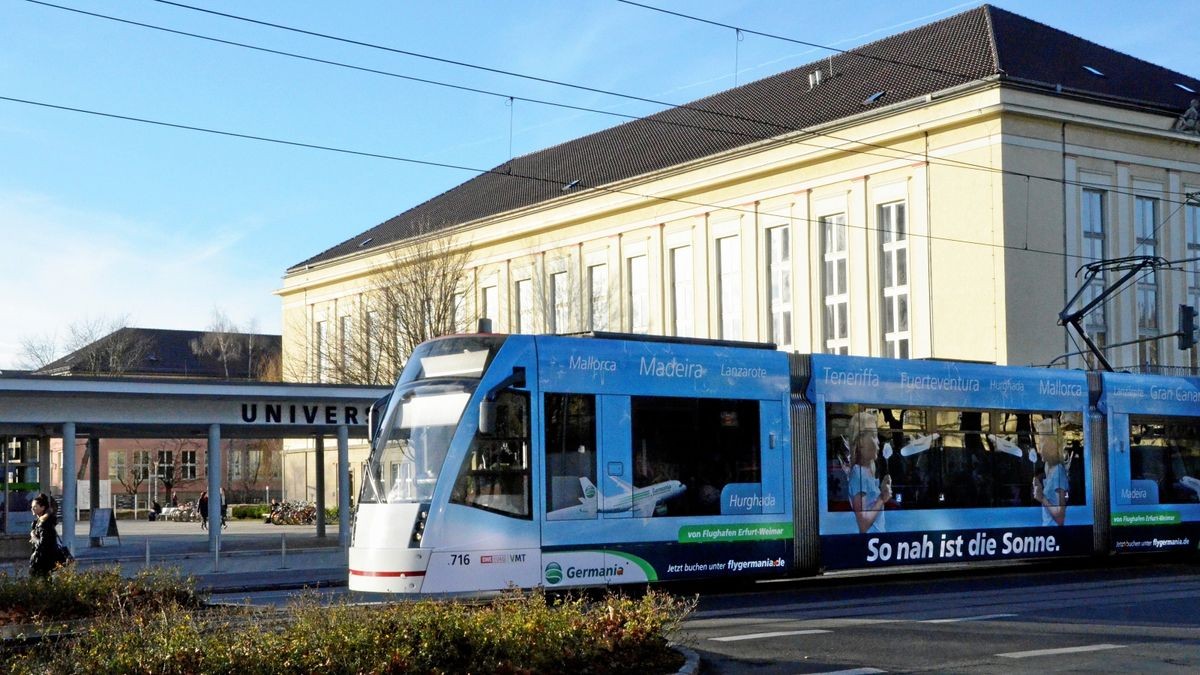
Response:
column 93, row 408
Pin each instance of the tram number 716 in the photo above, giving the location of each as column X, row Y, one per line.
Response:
column 460, row 559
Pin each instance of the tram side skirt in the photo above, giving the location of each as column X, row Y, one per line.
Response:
column 806, row 555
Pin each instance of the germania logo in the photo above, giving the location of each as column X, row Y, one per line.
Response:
column 553, row 573
column 590, row 492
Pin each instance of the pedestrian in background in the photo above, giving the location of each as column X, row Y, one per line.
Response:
column 43, row 536
column 203, row 506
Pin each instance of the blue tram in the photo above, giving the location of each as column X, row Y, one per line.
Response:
column 559, row 461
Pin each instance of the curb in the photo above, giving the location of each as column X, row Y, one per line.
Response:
column 691, row 664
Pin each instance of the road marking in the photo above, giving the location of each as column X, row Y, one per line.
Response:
column 756, row 636
column 981, row 617
column 1063, row 650
column 852, row 671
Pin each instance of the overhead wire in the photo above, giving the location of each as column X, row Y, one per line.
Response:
column 507, row 173
column 510, row 97
column 943, row 161
column 848, row 52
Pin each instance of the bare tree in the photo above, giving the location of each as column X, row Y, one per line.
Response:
column 221, row 340
column 413, row 297
column 132, row 477
column 39, row 351
column 254, row 464
column 106, row 346
column 98, row 346
column 168, row 462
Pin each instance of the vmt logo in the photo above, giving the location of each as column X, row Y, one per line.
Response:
column 554, row 573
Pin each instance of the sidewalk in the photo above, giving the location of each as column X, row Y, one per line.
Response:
column 254, row 556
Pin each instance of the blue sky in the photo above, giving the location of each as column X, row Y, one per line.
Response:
column 103, row 218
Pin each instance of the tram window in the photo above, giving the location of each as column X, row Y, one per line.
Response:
column 570, row 456
column 945, row 458
column 704, row 444
column 1164, row 459
column 495, row 475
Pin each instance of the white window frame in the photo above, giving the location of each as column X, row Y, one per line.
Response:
column 166, row 461
column 835, row 257
column 729, row 287
column 235, row 464
column 779, row 283
column 638, row 267
column 489, row 300
column 894, row 275
column 523, row 310
column 187, row 465
column 598, row 296
column 1148, row 294
column 321, row 350
column 460, row 312
column 116, row 464
column 560, row 302
column 683, row 298
column 141, row 464
column 1093, row 229
column 345, row 349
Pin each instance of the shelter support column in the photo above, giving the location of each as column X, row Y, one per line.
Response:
column 320, row 461
column 214, row 487
column 68, row 483
column 93, row 450
column 44, row 476
column 343, row 473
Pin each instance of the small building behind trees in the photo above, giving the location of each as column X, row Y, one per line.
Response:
column 163, row 468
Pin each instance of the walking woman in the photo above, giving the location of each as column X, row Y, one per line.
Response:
column 202, row 505
column 44, row 537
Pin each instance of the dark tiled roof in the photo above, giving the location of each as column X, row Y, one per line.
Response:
column 979, row 43
column 148, row 352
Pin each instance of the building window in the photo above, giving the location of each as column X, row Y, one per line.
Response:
column 1193, row 269
column 460, row 312
column 166, row 464
column 374, row 347
column 1093, row 226
column 598, row 297
column 141, row 464
column 345, row 346
column 253, row 465
column 524, row 306
column 488, row 304
column 682, row 296
column 560, row 298
column 639, row 295
column 235, row 464
column 116, row 465
column 1145, row 223
column 893, row 260
column 187, row 466
column 729, row 282
column 779, row 272
column 321, row 351
column 835, row 327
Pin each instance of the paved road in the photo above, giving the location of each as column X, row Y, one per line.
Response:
column 1131, row 619
column 253, row 556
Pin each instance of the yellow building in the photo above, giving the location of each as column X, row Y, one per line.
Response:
column 929, row 195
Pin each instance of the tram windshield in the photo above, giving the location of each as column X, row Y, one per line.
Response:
column 422, row 416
